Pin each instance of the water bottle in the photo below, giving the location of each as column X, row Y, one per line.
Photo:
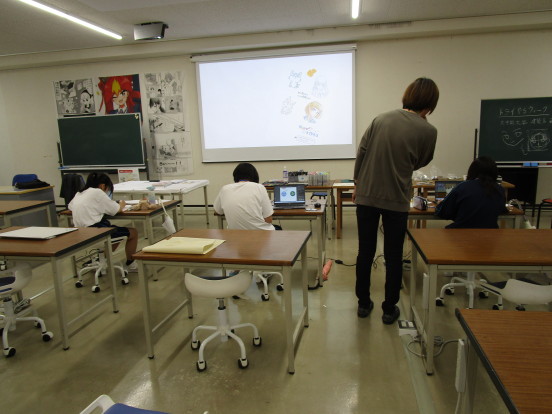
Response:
column 151, row 195
column 285, row 174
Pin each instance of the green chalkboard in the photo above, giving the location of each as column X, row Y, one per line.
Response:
column 516, row 130
column 101, row 141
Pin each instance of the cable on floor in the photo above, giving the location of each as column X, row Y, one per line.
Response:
column 438, row 341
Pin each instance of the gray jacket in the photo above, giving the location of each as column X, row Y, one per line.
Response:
column 396, row 144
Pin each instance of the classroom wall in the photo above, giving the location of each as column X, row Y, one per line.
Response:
column 467, row 68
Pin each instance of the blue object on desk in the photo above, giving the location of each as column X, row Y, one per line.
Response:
column 24, row 178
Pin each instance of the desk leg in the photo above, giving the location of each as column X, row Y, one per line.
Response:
column 149, row 230
column 339, row 223
column 321, row 250
column 111, row 272
column 175, row 218
column 305, row 285
column 430, row 326
column 288, row 316
column 50, row 221
column 412, row 288
column 60, row 303
column 146, row 306
column 330, row 217
column 206, row 204
column 181, row 198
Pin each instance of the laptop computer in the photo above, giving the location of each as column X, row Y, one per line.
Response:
column 289, row 196
column 443, row 187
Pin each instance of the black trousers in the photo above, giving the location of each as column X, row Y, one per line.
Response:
column 394, row 228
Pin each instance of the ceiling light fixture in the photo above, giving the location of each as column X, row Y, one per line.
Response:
column 71, row 18
column 355, row 8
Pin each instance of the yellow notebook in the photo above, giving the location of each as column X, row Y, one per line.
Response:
column 184, row 245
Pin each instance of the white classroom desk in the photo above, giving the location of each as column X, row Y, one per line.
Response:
column 175, row 188
column 55, row 250
column 318, row 215
column 242, row 250
column 469, row 250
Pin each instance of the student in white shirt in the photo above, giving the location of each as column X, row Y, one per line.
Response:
column 245, row 203
column 93, row 203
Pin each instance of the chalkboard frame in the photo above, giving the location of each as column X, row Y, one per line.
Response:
column 516, row 131
column 101, row 141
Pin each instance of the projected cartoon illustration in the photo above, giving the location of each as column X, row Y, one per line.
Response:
column 294, row 79
column 287, row 106
column 281, row 106
column 313, row 111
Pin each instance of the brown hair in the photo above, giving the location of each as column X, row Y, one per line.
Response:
column 421, row 94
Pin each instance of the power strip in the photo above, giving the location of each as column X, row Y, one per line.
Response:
column 407, row 328
column 460, row 380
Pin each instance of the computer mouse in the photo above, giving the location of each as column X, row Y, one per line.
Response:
column 317, row 205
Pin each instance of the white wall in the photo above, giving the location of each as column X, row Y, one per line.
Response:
column 467, row 68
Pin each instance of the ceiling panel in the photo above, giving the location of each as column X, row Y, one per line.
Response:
column 24, row 29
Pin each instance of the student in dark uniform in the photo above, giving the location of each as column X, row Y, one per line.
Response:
column 477, row 202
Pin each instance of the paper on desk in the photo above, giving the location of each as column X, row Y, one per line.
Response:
column 184, row 245
column 343, row 184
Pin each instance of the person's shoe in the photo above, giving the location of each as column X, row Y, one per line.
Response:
column 363, row 312
column 132, row 268
column 389, row 318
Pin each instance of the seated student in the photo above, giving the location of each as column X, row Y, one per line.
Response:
column 476, row 202
column 90, row 206
column 245, row 203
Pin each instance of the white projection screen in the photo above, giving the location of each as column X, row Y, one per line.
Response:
column 292, row 104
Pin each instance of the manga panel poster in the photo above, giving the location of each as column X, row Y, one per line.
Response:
column 74, row 97
column 172, row 144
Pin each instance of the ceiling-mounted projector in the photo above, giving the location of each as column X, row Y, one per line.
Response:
column 149, row 31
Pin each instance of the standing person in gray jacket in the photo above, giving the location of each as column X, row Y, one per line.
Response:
column 395, row 145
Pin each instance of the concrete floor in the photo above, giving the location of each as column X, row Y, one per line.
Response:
column 344, row 364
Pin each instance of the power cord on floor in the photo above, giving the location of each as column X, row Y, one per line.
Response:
column 438, row 341
column 375, row 262
column 338, row 261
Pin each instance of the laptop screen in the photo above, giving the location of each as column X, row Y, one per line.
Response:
column 289, row 194
column 442, row 188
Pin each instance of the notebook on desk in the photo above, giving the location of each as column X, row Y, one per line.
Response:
column 443, row 187
column 289, row 196
column 37, row 233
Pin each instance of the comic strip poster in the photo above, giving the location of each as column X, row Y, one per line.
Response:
column 74, row 97
column 172, row 144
